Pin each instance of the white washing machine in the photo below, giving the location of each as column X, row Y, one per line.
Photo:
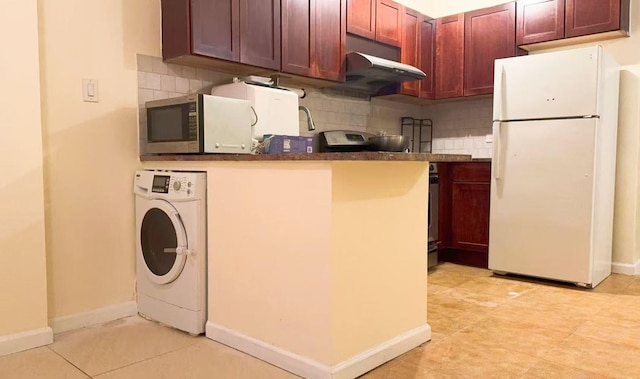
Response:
column 171, row 248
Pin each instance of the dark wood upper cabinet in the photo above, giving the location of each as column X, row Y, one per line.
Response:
column 214, row 27
column 409, row 49
column 259, row 32
column 585, row 17
column 313, row 38
column 361, row 16
column 239, row 31
column 449, row 69
column 427, row 43
column 539, row 21
column 489, row 34
column 552, row 20
column 389, row 16
column 330, row 39
column 298, row 43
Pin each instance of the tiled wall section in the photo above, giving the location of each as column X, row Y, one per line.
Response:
column 333, row 111
column 459, row 127
column 462, row 127
column 158, row 80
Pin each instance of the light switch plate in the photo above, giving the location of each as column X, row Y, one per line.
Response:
column 90, row 90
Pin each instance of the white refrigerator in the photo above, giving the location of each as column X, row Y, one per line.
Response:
column 553, row 168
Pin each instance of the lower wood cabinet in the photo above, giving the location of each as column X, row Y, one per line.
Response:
column 463, row 214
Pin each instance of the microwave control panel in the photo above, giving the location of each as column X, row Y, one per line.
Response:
column 193, row 121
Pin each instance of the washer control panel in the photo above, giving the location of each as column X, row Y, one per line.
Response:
column 181, row 184
column 161, row 183
column 170, row 184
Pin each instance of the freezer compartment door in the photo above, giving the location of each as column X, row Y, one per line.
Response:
column 550, row 85
column 542, row 193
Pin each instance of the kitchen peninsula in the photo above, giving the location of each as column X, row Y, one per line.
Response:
column 316, row 262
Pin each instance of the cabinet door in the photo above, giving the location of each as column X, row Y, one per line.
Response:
column 214, row 28
column 389, row 22
column 361, row 18
column 298, row 43
column 330, row 39
column 313, row 38
column 259, row 32
column 470, row 198
column 449, row 56
column 409, row 49
column 489, row 34
column 427, row 42
column 470, row 216
column 591, row 16
column 539, row 21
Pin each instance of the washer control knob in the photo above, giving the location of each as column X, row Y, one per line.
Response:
column 189, row 184
column 177, row 185
column 188, row 192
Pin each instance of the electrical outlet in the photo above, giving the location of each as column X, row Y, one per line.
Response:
column 90, row 90
column 488, row 138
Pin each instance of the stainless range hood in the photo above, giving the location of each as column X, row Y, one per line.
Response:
column 367, row 73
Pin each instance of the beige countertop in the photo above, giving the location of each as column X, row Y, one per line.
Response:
column 356, row 156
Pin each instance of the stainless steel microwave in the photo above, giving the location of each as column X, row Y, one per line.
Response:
column 198, row 124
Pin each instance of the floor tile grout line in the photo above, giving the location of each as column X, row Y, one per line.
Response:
column 68, row 361
column 148, row 359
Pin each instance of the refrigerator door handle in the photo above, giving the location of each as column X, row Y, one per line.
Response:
column 499, row 105
column 497, row 150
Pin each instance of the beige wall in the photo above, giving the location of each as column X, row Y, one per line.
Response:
column 378, row 254
column 301, row 244
column 23, row 278
column 269, row 228
column 91, row 149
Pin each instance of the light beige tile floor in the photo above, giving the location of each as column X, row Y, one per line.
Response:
column 484, row 326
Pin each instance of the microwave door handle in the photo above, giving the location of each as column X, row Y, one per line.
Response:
column 255, row 114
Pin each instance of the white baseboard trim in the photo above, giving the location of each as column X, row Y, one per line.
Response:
column 30, row 339
column 95, row 317
column 626, row 268
column 374, row 357
column 308, row 368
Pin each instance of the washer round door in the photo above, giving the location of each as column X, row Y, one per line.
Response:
column 163, row 240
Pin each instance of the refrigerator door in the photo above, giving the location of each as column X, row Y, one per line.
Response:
column 542, row 200
column 550, row 85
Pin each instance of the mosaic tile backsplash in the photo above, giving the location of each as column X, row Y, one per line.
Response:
column 459, row 127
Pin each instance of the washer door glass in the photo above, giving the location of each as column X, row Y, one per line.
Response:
column 162, row 238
